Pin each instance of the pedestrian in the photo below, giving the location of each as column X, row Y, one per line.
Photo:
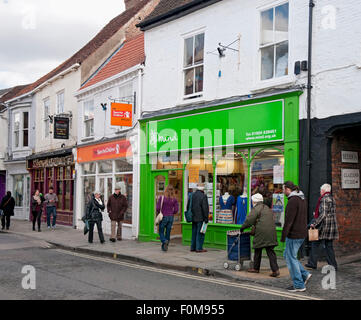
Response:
column 265, row 237
column 200, row 212
column 117, row 206
column 94, row 215
column 168, row 205
column 7, row 206
column 326, row 223
column 294, row 233
column 37, row 208
column 51, row 201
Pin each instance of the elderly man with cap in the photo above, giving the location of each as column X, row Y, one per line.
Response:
column 265, row 236
column 117, row 206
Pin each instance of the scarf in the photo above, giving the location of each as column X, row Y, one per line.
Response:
column 99, row 201
column 37, row 198
column 319, row 203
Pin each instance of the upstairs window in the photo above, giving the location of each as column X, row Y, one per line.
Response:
column 17, row 125
column 193, row 66
column 274, row 42
column 46, row 118
column 89, row 118
column 25, row 129
column 21, row 129
column 60, row 102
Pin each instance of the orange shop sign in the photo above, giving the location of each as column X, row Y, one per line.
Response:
column 105, row 151
column 121, row 114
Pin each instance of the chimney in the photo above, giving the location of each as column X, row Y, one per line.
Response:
column 130, row 3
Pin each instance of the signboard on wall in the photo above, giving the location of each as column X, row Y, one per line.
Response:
column 349, row 156
column 350, row 178
column 242, row 125
column 61, row 128
column 121, row 115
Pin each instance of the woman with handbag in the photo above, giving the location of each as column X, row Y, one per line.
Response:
column 37, row 208
column 94, row 216
column 167, row 206
column 326, row 223
column 7, row 205
column 264, row 232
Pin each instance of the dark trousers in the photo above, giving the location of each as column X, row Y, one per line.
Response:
column 91, row 230
column 197, row 237
column 315, row 253
column 5, row 220
column 37, row 218
column 271, row 256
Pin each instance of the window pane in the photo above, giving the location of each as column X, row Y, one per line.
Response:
column 26, row 120
column 89, row 168
column 106, row 167
column 89, row 188
column 199, row 48
column 267, row 56
column 46, row 109
column 46, row 128
column 26, row 138
column 267, row 27
column 199, row 79
column 267, row 179
column 188, row 52
column 17, row 121
column 189, row 78
column 126, row 92
column 89, row 128
column 16, row 137
column 88, row 110
column 126, row 182
column 67, row 194
column 282, row 59
column 123, row 166
column 60, row 194
column 61, row 102
column 281, row 23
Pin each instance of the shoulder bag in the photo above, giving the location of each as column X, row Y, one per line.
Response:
column 159, row 217
column 188, row 214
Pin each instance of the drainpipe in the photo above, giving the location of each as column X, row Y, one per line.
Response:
column 309, row 96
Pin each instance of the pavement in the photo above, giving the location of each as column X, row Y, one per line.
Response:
column 179, row 257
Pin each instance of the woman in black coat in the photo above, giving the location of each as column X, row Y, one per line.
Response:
column 7, row 206
column 94, row 216
column 37, row 201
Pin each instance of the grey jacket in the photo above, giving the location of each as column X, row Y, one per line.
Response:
column 200, row 207
column 49, row 197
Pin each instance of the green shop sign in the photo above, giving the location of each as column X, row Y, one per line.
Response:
column 242, row 125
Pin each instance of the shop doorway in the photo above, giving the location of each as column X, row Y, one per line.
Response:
column 106, row 189
column 161, row 181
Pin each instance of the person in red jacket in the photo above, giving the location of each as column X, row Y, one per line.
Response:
column 294, row 233
column 117, row 206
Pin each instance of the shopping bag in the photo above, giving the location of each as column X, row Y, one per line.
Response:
column 86, row 227
column 312, row 234
column 159, row 217
column 204, row 228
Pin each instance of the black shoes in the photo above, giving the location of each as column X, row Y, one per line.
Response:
column 112, row 239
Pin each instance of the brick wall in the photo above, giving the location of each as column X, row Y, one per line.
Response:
column 348, row 201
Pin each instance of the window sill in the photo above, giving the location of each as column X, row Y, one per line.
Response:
column 87, row 139
column 267, row 84
column 188, row 100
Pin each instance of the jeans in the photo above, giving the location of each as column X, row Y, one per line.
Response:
column 315, row 251
column 165, row 225
column 297, row 272
column 197, row 237
column 51, row 211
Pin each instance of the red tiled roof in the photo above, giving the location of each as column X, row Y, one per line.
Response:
column 129, row 55
column 105, row 34
column 13, row 92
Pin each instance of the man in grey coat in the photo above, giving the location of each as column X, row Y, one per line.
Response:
column 200, row 212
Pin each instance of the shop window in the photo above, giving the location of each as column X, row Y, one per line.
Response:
column 274, row 42
column 193, row 66
column 89, row 168
column 231, row 188
column 18, row 191
column 163, row 161
column 267, row 172
column 67, row 197
column 105, row 166
column 123, row 166
column 200, row 173
column 60, row 193
column 89, row 188
column 126, row 182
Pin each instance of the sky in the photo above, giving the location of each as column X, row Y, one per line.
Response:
column 38, row 35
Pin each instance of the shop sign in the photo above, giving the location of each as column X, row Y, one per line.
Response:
column 350, row 178
column 121, row 114
column 111, row 150
column 349, row 156
column 242, row 125
column 61, row 128
column 53, row 162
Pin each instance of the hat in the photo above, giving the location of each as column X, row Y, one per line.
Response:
column 118, row 186
column 97, row 192
column 257, row 198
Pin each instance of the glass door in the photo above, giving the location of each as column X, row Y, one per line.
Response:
column 160, row 180
column 106, row 189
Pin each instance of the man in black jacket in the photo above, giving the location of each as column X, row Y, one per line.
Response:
column 200, row 212
column 7, row 205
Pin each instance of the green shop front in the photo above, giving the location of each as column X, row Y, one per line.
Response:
column 233, row 150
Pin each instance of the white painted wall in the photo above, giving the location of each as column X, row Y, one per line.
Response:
column 336, row 54
column 70, row 83
column 4, row 139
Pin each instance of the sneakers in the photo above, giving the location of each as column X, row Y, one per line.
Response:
column 166, row 245
column 293, row 289
column 308, row 278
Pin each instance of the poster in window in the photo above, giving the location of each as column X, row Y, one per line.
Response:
column 61, row 128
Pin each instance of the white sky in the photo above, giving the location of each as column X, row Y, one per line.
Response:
column 38, row 35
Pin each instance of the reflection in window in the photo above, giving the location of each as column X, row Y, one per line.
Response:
column 105, row 167
column 267, row 171
column 89, row 188
column 126, row 188
column 18, row 191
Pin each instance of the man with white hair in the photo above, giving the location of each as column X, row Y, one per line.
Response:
column 326, row 223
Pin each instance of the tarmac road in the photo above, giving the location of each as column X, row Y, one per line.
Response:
column 66, row 275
